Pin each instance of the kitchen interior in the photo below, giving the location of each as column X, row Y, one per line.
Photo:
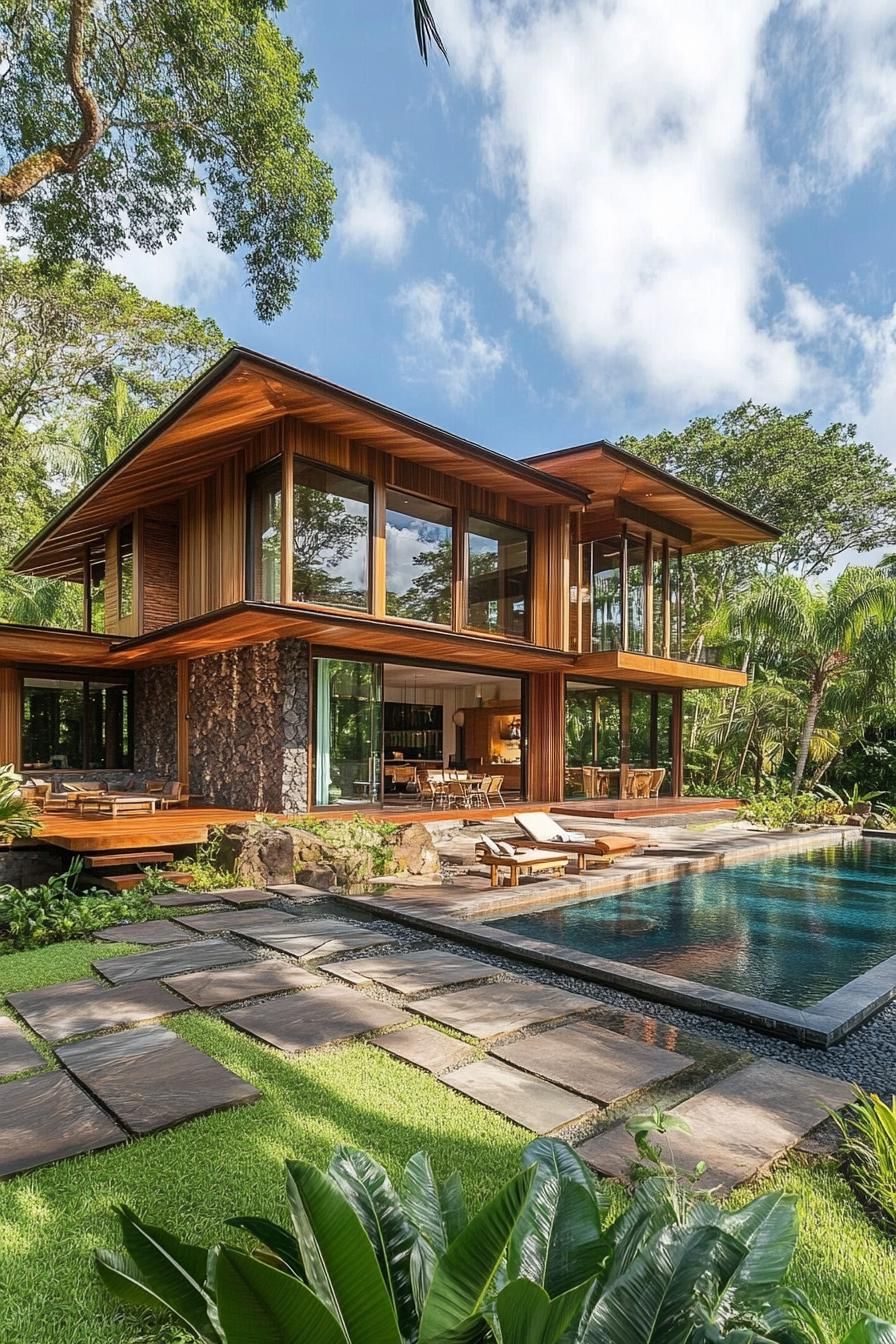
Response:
column 435, row 719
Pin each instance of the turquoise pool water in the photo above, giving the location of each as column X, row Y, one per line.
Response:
column 789, row 929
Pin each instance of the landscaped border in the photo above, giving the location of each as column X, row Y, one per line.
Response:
column 822, row 1024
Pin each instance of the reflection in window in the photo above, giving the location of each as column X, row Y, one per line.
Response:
column 73, row 725
column 348, row 700
column 592, row 741
column 497, row 577
column 606, row 593
column 419, row 559
column 675, row 594
column 97, row 590
column 265, row 520
column 659, row 604
column 126, row 570
column 331, row 538
column 635, row 560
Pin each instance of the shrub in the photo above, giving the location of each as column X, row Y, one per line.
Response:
column 374, row 1264
column 777, row 813
column 205, row 867
column 18, row 818
column 54, row 912
column 868, row 1130
column 356, row 847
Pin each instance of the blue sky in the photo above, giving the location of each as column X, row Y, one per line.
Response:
column 601, row 218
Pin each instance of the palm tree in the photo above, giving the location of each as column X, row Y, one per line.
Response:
column 822, row 637
column 427, row 31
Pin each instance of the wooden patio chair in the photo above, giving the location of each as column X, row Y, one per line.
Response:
column 656, row 782
column 542, row 832
column 494, row 790
column 172, row 794
column 435, row 785
column 500, row 856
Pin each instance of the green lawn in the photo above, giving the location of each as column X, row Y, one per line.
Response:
column 191, row 1178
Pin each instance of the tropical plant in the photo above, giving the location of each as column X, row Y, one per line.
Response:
column 18, row 817
column 781, row 811
column 821, row 638
column 868, row 1133
column 364, row 1262
column 206, row 867
column 155, row 882
column 56, row 910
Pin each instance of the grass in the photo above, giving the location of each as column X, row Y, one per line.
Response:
column 192, row 1178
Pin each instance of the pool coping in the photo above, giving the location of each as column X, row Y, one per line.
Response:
column 822, row 1024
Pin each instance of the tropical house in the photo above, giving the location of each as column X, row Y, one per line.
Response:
column 296, row 598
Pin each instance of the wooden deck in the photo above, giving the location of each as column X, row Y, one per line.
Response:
column 191, row 825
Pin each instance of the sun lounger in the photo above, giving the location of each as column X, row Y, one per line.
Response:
column 542, row 832
column 499, row 855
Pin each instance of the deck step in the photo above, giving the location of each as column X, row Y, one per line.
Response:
column 128, row 858
column 124, row 881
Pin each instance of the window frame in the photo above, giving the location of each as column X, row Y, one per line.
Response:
column 452, row 622
column 83, row 679
column 123, row 530
column 374, row 506
column 466, row 627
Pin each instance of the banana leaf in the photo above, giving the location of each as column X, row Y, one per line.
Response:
column 257, row 1304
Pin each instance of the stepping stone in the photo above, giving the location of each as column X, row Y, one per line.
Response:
column 177, row 899
column 152, row 931
column 737, row 1126
column 527, row 1101
column 243, row 896
column 83, row 1006
column 297, row 892
column 414, row 972
column 318, row 938
column 509, row 1005
column 597, row 1063
column 47, row 1118
column 16, row 1052
column 237, row 921
column 317, row 1017
column 149, row 1078
column 195, row 956
column 424, row 1046
column 208, row 989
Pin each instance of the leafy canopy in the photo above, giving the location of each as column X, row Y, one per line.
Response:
column 115, row 118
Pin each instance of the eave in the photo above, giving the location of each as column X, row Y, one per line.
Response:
column 616, row 666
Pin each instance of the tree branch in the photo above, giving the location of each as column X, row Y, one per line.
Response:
column 29, row 172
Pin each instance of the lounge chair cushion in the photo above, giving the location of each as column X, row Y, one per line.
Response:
column 616, row 844
column 490, row 845
column 539, row 826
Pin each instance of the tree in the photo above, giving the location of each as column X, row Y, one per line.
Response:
column 107, row 429
column 836, row 644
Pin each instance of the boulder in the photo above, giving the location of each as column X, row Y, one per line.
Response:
column 414, row 851
column 259, row 854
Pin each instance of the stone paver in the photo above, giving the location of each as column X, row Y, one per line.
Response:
column 174, row 900
column 243, row 896
column 296, row 891
column 209, row 989
column 414, row 972
column 424, row 1046
column 316, row 1017
column 737, row 1126
column 510, row 1005
column 149, row 1078
column 195, row 956
column 47, row 1118
column 237, row 921
column 318, row 938
column 528, row 1101
column 155, row 932
column 600, row 1064
column 16, row 1052
column 82, row 1006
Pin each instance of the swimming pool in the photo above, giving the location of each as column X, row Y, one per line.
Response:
column 790, row 930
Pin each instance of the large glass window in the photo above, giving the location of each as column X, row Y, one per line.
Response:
column 96, row 580
column 497, row 578
column 419, row 559
column 69, row 724
column 592, row 741
column 659, row 603
column 676, row 613
column 648, row 770
column 606, row 594
column 331, row 538
column 635, row 571
column 126, row 570
column 265, row 537
column 347, row 732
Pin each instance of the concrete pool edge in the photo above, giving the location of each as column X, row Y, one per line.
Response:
column 821, row 1025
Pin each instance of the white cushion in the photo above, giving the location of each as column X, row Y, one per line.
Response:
column 539, row 826
column 491, row 845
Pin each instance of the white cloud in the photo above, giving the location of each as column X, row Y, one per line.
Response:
column 190, row 271
column 442, row 343
column 372, row 217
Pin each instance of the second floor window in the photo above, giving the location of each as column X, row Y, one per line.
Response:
column 605, row 561
column 97, row 590
column 497, row 578
column 126, row 570
column 419, row 559
column 331, row 538
column 265, row 546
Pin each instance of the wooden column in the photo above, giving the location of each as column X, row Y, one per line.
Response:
column 677, row 743
column 546, row 737
column 183, row 720
column 10, row 717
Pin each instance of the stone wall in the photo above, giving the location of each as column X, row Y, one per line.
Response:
column 249, row 727
column 155, row 721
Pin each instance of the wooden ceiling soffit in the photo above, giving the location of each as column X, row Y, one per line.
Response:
column 251, row 623
column 35, row 646
column 226, row 408
column 650, row 671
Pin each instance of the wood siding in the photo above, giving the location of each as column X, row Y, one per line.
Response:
column 10, row 717
column 546, row 737
column 159, row 588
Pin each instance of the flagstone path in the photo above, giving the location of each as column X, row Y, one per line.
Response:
column 547, row 1066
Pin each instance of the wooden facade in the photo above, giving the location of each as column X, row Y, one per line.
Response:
column 181, row 494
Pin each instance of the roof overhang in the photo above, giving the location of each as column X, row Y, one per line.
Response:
column 241, row 394
column 618, row 481
column 642, row 667
column 29, row 645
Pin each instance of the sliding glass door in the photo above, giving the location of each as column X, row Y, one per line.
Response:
column 650, row 737
column 348, row 732
column 592, row 741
